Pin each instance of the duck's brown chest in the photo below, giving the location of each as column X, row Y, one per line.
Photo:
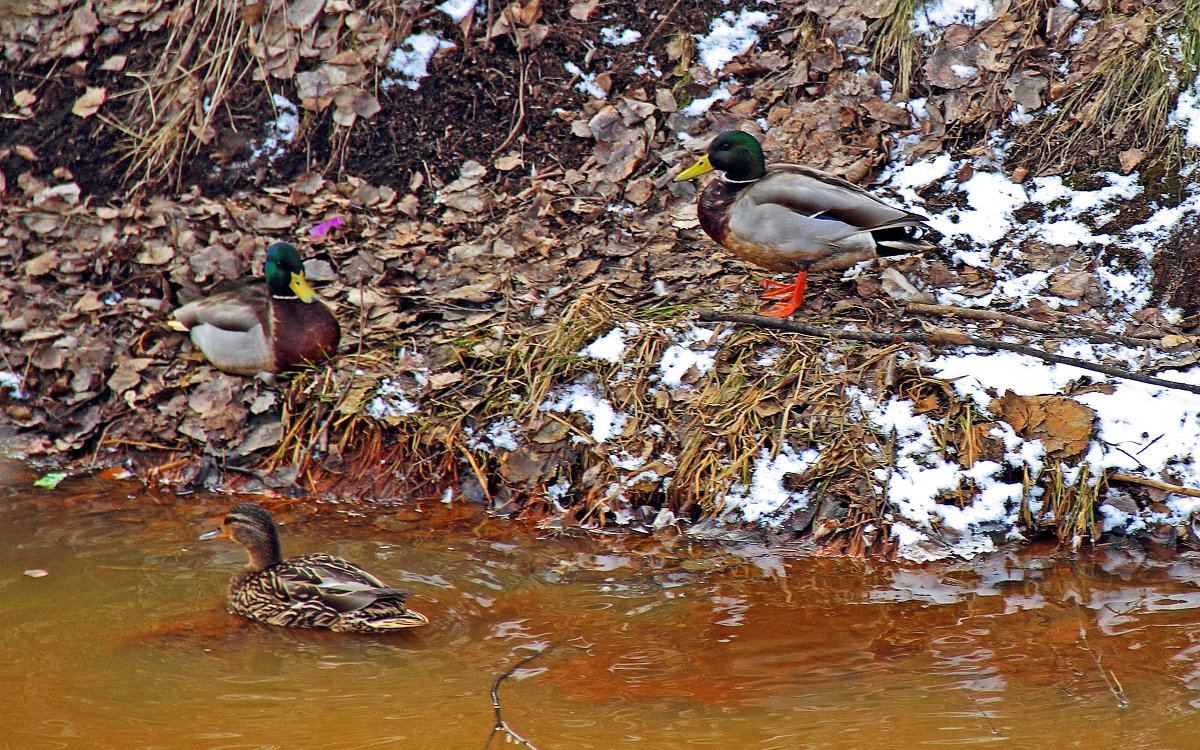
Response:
column 304, row 332
column 713, row 209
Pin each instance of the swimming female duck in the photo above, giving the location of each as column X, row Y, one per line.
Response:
column 316, row 590
column 787, row 217
column 247, row 327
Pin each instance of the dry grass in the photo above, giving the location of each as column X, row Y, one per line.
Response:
column 895, row 42
column 695, row 444
column 1128, row 96
column 173, row 110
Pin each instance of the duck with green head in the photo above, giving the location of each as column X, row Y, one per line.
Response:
column 247, row 327
column 787, row 217
column 316, row 590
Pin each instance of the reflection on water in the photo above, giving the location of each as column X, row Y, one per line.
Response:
column 125, row 643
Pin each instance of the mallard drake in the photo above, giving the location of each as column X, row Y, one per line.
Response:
column 247, row 327
column 309, row 591
column 787, row 217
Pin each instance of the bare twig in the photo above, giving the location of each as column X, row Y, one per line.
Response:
column 942, row 337
column 1158, row 484
column 516, row 128
column 501, row 725
column 1031, row 324
column 982, row 713
column 666, row 17
column 1110, row 679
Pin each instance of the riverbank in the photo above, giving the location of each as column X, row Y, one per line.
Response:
column 521, row 298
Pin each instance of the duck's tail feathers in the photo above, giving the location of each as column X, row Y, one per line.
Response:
column 905, row 238
column 408, row 619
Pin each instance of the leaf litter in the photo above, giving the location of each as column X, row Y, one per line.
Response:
column 516, row 291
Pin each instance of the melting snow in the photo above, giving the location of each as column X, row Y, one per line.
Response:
column 611, row 346
column 581, row 397
column 457, row 9
column 698, row 107
column 280, row 131
column 413, row 63
column 1187, row 114
column 767, row 498
column 730, row 36
column 12, row 381
column 587, row 82
column 619, row 37
column 390, row 401
column 1141, row 427
column 949, row 12
column 679, row 358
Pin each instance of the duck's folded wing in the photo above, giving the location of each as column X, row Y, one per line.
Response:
column 347, row 596
column 237, row 308
column 812, row 194
column 337, row 583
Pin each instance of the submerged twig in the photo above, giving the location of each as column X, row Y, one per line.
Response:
column 1114, row 685
column 982, row 713
column 941, row 337
column 501, row 726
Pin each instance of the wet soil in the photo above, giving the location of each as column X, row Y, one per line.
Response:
column 475, row 100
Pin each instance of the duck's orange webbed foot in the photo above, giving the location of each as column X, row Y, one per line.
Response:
column 777, row 290
column 792, row 294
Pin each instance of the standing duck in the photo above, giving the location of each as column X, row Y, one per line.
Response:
column 247, row 327
column 309, row 591
column 787, row 217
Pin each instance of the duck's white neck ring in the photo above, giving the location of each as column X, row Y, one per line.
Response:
column 742, row 182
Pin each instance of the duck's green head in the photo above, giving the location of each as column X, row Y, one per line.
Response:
column 735, row 153
column 285, row 273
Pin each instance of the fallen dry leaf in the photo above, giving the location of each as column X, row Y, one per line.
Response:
column 127, row 375
column 91, row 100
column 582, row 11
column 114, row 64
column 1062, row 424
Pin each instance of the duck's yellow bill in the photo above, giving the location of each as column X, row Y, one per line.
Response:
column 702, row 166
column 300, row 286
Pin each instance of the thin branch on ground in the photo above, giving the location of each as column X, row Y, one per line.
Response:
column 666, row 17
column 1158, row 484
column 502, row 726
column 941, row 337
column 520, row 108
column 1069, row 331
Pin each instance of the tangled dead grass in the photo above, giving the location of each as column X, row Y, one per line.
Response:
column 682, row 449
column 174, row 107
column 1138, row 67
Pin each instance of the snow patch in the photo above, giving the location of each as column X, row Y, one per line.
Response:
column 611, row 346
column 457, row 9
column 730, row 36
column 767, row 498
column 607, row 423
column 411, row 59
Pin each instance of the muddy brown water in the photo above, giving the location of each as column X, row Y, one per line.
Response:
column 125, row 643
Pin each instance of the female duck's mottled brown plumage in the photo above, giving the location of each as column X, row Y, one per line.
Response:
column 788, row 217
column 246, row 327
column 309, row 591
